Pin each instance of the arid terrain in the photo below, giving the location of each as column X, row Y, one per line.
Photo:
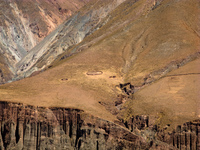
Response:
column 24, row 23
column 115, row 74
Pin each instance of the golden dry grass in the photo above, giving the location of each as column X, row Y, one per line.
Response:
column 79, row 91
column 175, row 96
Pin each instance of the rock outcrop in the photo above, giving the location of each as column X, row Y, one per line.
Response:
column 28, row 127
column 23, row 24
column 185, row 136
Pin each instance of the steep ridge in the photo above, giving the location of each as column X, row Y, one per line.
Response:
column 140, row 65
column 70, row 33
column 25, row 23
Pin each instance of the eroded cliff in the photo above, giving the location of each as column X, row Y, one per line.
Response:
column 185, row 136
column 28, row 127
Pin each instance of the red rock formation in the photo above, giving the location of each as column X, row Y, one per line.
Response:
column 31, row 127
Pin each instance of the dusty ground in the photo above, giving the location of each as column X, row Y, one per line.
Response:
column 175, row 97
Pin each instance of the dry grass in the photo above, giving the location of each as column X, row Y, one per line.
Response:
column 176, row 96
column 79, row 91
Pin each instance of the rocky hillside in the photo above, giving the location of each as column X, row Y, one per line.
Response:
column 24, row 23
column 72, row 32
column 28, row 127
column 130, row 65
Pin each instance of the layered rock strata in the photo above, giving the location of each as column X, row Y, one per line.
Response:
column 28, row 127
column 23, row 24
column 185, row 136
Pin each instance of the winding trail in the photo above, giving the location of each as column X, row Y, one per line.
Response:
column 182, row 74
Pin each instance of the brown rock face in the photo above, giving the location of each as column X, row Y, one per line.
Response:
column 185, row 136
column 1, row 77
column 27, row 127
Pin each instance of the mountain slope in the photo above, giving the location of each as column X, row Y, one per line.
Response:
column 175, row 96
column 145, row 63
column 73, row 31
column 23, row 24
column 119, row 54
